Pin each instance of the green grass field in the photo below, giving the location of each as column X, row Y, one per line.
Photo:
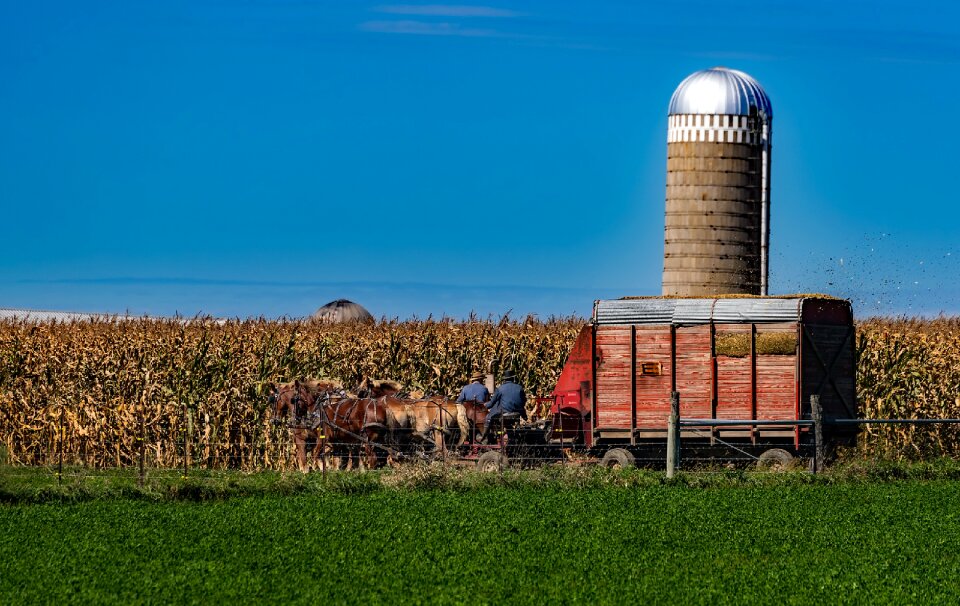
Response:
column 851, row 542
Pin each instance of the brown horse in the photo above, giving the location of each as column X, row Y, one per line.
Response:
column 348, row 426
column 297, row 403
column 324, row 423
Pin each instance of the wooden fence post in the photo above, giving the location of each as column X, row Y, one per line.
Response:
column 186, row 444
column 143, row 439
column 816, row 411
column 439, row 432
column 563, row 453
column 60, row 448
column 673, row 435
column 323, row 453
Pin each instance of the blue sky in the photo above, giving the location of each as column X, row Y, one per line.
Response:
column 263, row 157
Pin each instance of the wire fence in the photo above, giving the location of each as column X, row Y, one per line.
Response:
column 516, row 448
column 193, row 445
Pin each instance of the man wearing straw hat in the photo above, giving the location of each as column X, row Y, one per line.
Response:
column 475, row 391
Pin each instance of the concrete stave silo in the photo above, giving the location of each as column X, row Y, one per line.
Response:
column 716, row 233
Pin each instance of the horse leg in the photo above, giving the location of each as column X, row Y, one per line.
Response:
column 365, row 453
column 311, row 446
column 320, row 459
column 376, row 457
column 354, row 457
column 300, row 444
column 382, row 454
column 333, row 455
column 343, row 459
column 376, row 454
column 361, row 452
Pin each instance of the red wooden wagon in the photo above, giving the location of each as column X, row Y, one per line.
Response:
column 743, row 358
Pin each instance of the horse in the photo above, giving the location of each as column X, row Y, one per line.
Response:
column 427, row 420
column 297, row 401
column 324, row 422
column 350, row 425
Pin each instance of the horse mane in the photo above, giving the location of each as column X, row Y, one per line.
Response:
column 380, row 387
column 381, row 384
column 322, row 384
column 313, row 385
column 388, row 384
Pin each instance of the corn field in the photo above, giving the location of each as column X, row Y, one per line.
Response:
column 909, row 368
column 197, row 389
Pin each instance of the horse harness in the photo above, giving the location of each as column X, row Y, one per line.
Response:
column 317, row 418
column 302, row 417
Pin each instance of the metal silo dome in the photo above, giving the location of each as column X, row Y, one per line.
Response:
column 720, row 91
column 343, row 310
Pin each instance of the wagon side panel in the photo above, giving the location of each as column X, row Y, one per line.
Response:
column 654, row 368
column 694, row 371
column 613, row 390
column 734, row 382
column 829, row 371
column 776, row 346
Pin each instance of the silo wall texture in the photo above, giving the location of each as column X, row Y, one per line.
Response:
column 712, row 238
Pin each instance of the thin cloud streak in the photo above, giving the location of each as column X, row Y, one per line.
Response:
column 445, row 10
column 218, row 282
column 423, row 28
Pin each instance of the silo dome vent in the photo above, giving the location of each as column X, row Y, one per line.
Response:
column 720, row 91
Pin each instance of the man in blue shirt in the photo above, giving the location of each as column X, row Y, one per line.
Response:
column 475, row 391
column 509, row 397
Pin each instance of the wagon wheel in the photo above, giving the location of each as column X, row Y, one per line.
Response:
column 618, row 458
column 775, row 459
column 492, row 461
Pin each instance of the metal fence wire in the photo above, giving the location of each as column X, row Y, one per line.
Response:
column 151, row 448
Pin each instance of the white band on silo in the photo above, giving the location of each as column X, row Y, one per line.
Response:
column 714, row 128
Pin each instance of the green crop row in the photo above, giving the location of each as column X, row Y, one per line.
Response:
column 658, row 544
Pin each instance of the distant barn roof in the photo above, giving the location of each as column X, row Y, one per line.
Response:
column 343, row 310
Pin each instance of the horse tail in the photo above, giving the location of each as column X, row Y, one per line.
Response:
column 463, row 422
column 418, row 417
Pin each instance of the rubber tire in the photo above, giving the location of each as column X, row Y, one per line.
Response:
column 492, row 461
column 775, row 459
column 618, row 458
